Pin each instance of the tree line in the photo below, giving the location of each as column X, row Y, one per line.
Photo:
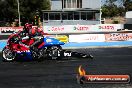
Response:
column 28, row 9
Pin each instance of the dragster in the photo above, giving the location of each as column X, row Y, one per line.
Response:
column 48, row 48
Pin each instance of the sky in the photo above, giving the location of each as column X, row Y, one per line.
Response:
column 117, row 3
column 103, row 1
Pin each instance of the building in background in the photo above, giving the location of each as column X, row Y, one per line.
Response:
column 128, row 17
column 128, row 24
column 73, row 12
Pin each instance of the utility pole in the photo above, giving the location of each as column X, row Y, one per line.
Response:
column 19, row 13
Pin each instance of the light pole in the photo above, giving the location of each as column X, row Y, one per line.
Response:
column 19, row 12
column 100, row 11
column 100, row 16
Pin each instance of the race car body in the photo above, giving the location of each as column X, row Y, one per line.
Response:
column 47, row 48
column 17, row 51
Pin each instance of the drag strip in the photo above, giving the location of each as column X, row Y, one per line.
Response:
column 62, row 74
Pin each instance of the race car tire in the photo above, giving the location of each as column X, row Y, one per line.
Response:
column 8, row 55
column 42, row 55
column 53, row 52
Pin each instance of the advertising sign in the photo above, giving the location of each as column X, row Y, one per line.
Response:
column 108, row 27
column 118, row 37
column 70, row 28
column 82, row 28
column 87, row 38
column 10, row 29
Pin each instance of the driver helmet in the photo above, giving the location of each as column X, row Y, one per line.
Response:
column 27, row 27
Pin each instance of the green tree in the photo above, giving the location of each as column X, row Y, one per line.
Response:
column 111, row 9
column 127, row 4
column 28, row 8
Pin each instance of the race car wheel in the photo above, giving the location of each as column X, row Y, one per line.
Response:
column 39, row 55
column 42, row 55
column 8, row 55
column 54, row 52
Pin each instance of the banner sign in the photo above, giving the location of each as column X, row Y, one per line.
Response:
column 87, row 38
column 118, row 37
column 10, row 29
column 82, row 28
column 108, row 27
column 70, row 28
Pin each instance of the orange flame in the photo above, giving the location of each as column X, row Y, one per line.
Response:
column 81, row 71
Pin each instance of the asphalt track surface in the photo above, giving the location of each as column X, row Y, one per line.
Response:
column 62, row 74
